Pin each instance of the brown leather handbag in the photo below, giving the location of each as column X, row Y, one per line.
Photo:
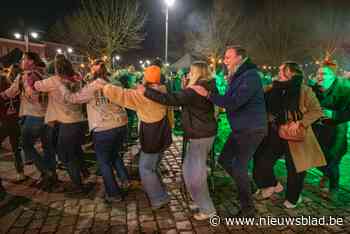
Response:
column 285, row 133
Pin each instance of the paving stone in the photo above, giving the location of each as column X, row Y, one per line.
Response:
column 49, row 228
column 49, row 213
column 68, row 221
column 184, row 225
column 65, row 230
column 32, row 231
column 166, row 223
column 16, row 231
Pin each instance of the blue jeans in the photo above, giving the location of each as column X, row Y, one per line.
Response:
column 150, row 178
column 195, row 173
column 33, row 129
column 70, row 139
column 238, row 150
column 107, row 146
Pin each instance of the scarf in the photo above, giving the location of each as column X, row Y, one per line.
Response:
column 284, row 99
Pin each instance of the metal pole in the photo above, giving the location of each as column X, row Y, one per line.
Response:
column 166, row 34
column 26, row 39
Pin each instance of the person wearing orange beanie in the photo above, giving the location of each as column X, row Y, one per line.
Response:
column 154, row 131
column 152, row 75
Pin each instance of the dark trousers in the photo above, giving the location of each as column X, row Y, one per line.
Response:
column 11, row 129
column 70, row 139
column 265, row 158
column 108, row 145
column 333, row 141
column 33, row 129
column 50, row 159
column 238, row 150
column 2, row 189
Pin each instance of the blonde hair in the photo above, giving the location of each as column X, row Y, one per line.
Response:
column 202, row 72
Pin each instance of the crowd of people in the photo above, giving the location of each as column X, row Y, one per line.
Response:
column 291, row 117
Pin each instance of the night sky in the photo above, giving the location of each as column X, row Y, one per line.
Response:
column 41, row 14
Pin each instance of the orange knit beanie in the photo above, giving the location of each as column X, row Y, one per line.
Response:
column 152, row 74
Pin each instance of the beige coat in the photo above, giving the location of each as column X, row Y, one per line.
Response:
column 30, row 105
column 147, row 110
column 308, row 153
column 58, row 110
column 102, row 114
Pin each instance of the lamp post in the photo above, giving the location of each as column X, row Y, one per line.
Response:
column 168, row 3
column 26, row 37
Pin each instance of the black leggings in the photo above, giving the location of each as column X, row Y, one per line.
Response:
column 265, row 158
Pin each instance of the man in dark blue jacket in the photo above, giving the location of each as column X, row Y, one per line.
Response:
column 245, row 106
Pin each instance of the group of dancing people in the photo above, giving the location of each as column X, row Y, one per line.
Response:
column 282, row 119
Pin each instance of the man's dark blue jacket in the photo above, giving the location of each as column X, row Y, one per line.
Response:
column 244, row 100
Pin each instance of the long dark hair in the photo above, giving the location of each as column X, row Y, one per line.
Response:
column 38, row 62
column 284, row 98
column 103, row 72
column 65, row 70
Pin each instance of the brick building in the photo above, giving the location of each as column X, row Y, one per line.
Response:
column 46, row 50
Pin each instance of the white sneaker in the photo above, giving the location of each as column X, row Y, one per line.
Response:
column 287, row 204
column 264, row 193
column 203, row 216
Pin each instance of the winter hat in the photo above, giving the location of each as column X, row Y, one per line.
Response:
column 152, row 74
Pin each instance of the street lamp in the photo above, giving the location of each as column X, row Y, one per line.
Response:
column 169, row 3
column 35, row 35
column 70, row 50
column 141, row 62
column 26, row 35
column 115, row 61
column 17, row 35
column 148, row 62
column 59, row 51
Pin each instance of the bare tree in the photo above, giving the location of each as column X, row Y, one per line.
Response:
column 218, row 29
column 103, row 27
column 279, row 35
column 331, row 30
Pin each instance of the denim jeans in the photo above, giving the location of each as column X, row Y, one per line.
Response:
column 238, row 150
column 34, row 128
column 151, row 179
column 12, row 130
column 70, row 139
column 108, row 145
column 195, row 173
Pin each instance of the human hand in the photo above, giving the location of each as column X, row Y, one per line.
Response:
column 98, row 84
column 294, row 127
column 141, row 89
column 199, row 90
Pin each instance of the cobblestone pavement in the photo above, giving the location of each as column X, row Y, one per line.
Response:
column 28, row 210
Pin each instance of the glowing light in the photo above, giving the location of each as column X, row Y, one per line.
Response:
column 59, row 51
column 17, row 35
column 34, row 35
column 70, row 50
column 169, row 3
column 82, row 65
